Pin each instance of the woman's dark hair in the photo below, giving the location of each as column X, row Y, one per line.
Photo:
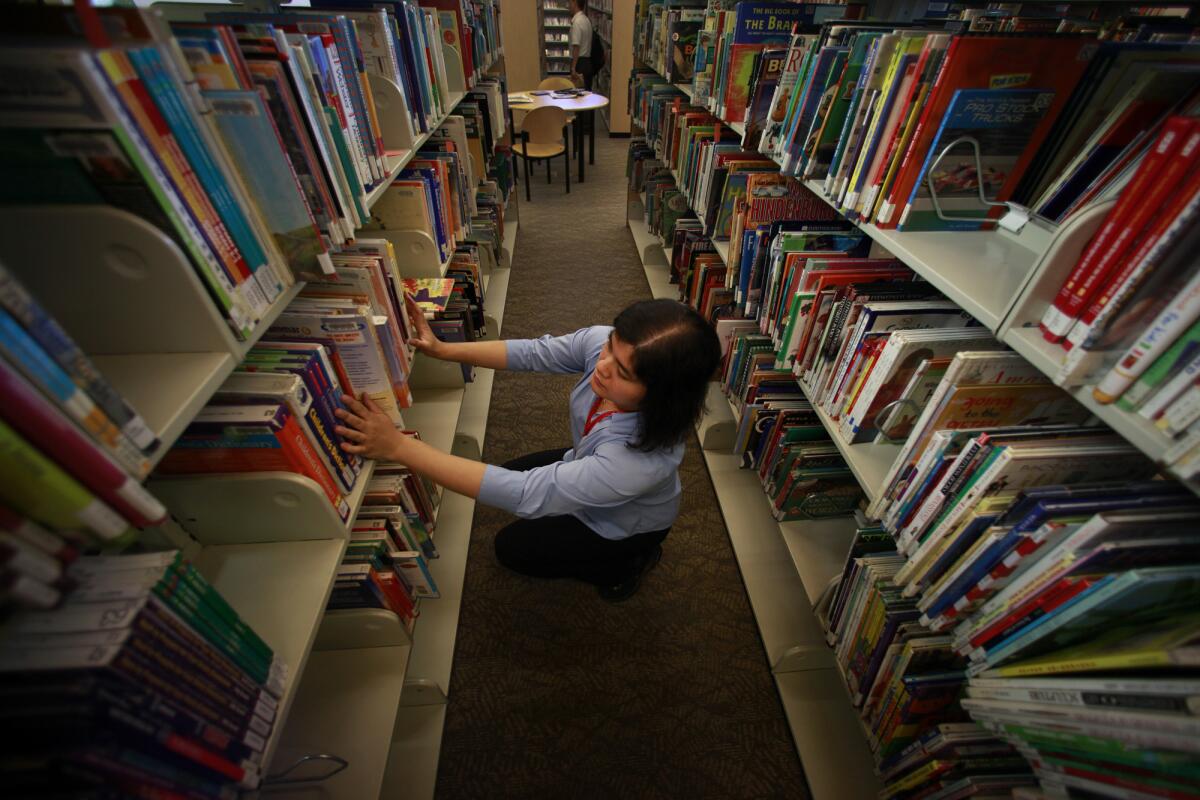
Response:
column 675, row 355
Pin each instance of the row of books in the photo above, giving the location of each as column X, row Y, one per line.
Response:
column 780, row 435
column 252, row 140
column 74, row 450
column 905, row 683
column 347, row 334
column 145, row 681
column 920, row 137
column 907, row 125
column 386, row 564
column 1124, row 313
column 71, row 469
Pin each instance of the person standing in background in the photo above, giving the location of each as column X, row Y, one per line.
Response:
column 581, row 45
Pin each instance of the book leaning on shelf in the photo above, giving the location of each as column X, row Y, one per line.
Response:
column 145, row 681
column 72, row 462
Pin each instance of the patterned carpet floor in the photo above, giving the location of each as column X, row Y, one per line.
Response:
column 554, row 692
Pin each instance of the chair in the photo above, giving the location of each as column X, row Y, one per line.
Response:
column 547, row 85
column 544, row 136
column 554, row 84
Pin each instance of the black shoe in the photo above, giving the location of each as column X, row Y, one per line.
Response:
column 617, row 592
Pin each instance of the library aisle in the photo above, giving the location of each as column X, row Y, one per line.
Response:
column 554, row 692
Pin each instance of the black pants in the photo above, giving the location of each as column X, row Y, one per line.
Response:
column 584, row 67
column 564, row 547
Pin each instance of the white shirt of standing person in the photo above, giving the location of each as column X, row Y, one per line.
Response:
column 581, row 35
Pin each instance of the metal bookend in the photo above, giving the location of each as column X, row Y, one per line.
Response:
column 281, row 778
column 1017, row 214
column 880, row 415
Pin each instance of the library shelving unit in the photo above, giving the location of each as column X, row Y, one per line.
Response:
column 554, row 17
column 616, row 30
column 1005, row 279
column 271, row 543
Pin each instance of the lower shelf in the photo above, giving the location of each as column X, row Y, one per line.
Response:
column 785, row 567
column 280, row 590
column 836, row 759
column 648, row 246
column 346, row 707
column 413, row 758
column 789, row 631
column 495, row 295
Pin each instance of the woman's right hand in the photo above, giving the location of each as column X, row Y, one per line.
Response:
column 423, row 339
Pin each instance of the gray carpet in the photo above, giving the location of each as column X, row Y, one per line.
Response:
column 554, row 692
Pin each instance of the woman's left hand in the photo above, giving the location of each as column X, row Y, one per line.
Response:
column 368, row 431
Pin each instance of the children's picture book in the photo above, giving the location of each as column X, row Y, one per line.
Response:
column 431, row 295
column 1000, row 123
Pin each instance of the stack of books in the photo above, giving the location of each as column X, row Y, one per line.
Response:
column 1124, row 314
column 905, row 682
column 780, row 436
column 145, row 681
column 75, row 451
column 391, row 542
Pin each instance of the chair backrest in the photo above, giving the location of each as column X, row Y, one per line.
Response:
column 552, row 84
column 545, row 125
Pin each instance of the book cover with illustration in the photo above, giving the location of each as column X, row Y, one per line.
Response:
column 1052, row 64
column 1001, row 122
column 430, row 294
column 682, row 37
column 757, row 25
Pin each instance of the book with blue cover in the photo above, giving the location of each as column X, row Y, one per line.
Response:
column 1002, row 122
column 249, row 135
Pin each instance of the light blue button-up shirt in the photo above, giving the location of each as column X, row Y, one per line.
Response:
column 615, row 490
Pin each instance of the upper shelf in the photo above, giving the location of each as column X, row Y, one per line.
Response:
column 982, row 271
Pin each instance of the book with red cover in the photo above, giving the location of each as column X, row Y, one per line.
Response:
column 1163, row 168
column 1047, row 63
column 1181, row 210
column 249, row 438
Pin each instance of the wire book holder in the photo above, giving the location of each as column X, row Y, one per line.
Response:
column 1017, row 214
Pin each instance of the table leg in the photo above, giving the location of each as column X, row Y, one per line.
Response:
column 579, row 143
column 591, row 137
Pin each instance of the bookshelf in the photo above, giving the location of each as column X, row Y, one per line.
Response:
column 554, row 23
column 1005, row 278
column 270, row 543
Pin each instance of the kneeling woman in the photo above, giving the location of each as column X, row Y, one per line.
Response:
column 599, row 510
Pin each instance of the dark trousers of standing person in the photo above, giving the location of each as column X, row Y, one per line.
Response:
column 561, row 546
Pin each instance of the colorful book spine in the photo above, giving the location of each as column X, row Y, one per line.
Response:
column 1167, row 158
column 48, row 429
column 46, row 331
column 25, row 354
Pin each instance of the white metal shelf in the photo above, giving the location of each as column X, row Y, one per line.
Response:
column 435, row 415
column 346, row 707
column 280, row 590
column 1049, row 357
column 494, row 297
column 167, row 389
column 869, row 462
column 413, row 756
column 819, row 549
column 981, row 271
column 436, row 630
column 790, row 633
column 837, row 761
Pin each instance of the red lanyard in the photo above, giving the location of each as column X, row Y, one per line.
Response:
column 592, row 419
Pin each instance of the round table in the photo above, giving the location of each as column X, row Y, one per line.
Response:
column 587, row 102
